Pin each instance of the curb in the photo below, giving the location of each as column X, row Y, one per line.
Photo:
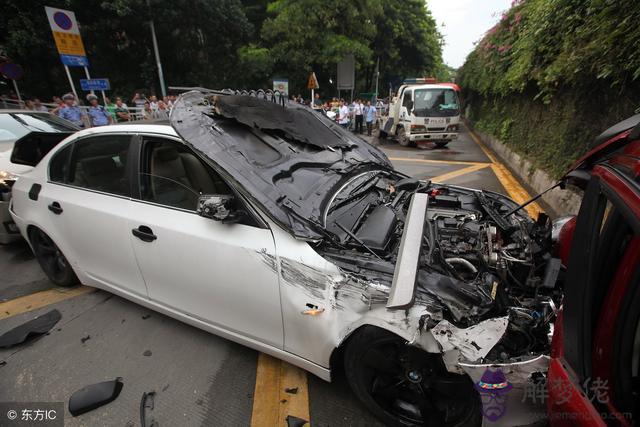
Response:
column 561, row 202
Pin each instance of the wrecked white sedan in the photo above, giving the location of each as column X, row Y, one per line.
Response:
column 269, row 225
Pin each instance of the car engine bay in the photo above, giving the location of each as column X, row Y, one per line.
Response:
column 478, row 260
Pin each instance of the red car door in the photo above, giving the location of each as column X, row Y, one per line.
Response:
column 593, row 374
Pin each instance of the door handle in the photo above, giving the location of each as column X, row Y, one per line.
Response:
column 144, row 233
column 55, row 208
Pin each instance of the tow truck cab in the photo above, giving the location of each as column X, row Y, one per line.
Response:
column 423, row 114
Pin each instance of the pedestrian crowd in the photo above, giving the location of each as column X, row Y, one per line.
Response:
column 96, row 114
column 356, row 116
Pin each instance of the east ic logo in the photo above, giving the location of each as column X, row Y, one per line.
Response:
column 493, row 388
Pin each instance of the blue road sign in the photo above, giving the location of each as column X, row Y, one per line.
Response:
column 74, row 60
column 94, row 84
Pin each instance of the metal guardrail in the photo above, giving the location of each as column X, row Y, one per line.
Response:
column 135, row 113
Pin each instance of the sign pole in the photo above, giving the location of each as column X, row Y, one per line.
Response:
column 86, row 72
column 104, row 98
column 15, row 86
column 73, row 88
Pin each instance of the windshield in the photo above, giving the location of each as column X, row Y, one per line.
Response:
column 435, row 102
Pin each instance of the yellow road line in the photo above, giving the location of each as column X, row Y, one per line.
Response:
column 446, row 162
column 450, row 175
column 508, row 181
column 271, row 403
column 39, row 299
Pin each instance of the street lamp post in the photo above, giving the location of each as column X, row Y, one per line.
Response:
column 156, row 51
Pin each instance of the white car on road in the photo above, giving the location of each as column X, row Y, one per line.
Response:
column 273, row 227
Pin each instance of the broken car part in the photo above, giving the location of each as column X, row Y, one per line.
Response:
column 34, row 327
column 94, row 396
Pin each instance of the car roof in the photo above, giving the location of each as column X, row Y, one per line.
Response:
column 132, row 127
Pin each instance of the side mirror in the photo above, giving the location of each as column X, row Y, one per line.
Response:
column 215, row 206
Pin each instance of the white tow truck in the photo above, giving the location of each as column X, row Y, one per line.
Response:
column 423, row 113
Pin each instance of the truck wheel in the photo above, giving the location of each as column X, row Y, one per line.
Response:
column 402, row 137
column 441, row 144
column 405, row 386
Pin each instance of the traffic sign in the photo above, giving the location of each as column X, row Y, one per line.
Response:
column 312, row 83
column 66, row 35
column 281, row 85
column 95, row 84
column 11, row 71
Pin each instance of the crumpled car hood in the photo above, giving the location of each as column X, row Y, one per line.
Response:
column 288, row 159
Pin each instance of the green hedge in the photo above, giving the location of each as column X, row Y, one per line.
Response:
column 552, row 74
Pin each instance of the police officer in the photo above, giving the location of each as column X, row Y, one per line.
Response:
column 70, row 111
column 98, row 115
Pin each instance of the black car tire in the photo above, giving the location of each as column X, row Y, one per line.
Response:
column 51, row 259
column 441, row 144
column 379, row 389
column 402, row 137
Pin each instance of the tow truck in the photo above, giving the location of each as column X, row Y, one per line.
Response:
column 423, row 113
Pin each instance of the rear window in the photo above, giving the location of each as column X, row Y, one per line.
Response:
column 33, row 147
column 10, row 130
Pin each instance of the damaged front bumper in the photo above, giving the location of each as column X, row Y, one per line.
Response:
column 513, row 392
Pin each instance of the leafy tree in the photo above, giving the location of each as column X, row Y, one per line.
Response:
column 198, row 42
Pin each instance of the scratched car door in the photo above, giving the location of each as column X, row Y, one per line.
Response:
column 220, row 273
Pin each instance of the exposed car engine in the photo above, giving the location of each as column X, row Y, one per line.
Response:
column 478, row 260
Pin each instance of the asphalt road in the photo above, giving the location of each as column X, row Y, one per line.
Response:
column 199, row 379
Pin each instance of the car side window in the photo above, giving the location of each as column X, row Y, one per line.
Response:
column 98, row 163
column 173, row 175
column 59, row 164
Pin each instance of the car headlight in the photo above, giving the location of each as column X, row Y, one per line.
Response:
column 7, row 179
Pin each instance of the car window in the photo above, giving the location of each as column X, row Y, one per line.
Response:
column 59, row 164
column 100, row 163
column 11, row 129
column 173, row 175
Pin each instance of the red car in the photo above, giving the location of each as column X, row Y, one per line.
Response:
column 595, row 360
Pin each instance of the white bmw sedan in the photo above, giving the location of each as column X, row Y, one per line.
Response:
column 271, row 226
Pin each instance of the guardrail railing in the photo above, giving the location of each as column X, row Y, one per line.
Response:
column 135, row 113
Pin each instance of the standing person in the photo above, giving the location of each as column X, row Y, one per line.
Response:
column 153, row 103
column 370, row 116
column 37, row 105
column 343, row 115
column 98, row 115
column 121, row 110
column 359, row 113
column 58, row 105
column 70, row 111
column 28, row 104
column 317, row 103
column 163, row 110
column 138, row 103
column 111, row 108
column 147, row 114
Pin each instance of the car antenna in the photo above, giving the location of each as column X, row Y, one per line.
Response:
column 533, row 199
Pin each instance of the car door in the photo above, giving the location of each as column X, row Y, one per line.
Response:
column 594, row 338
column 87, row 198
column 220, row 273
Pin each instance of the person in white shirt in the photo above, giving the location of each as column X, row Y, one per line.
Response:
column 358, row 110
column 343, row 115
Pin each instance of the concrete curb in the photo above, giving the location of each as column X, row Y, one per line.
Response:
column 562, row 202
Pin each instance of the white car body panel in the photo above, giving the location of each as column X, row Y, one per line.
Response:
column 210, row 270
